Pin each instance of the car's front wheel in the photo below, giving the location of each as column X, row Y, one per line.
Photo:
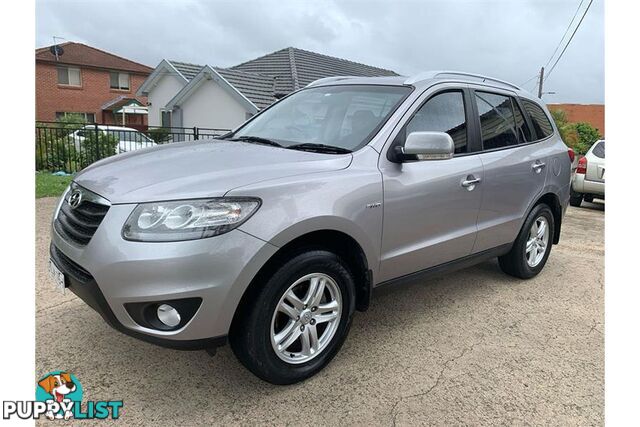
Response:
column 297, row 321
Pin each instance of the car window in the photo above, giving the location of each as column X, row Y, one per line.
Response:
column 443, row 112
column 598, row 150
column 541, row 123
column 344, row 116
column 524, row 133
column 497, row 122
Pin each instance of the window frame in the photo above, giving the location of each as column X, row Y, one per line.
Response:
column 62, row 114
column 400, row 136
column 119, row 88
column 477, row 117
column 514, row 97
column 67, row 69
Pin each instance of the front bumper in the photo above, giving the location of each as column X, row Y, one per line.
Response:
column 118, row 272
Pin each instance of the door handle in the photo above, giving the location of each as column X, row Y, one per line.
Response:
column 538, row 166
column 470, row 182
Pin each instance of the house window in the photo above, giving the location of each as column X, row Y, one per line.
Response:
column 165, row 118
column 69, row 76
column 86, row 117
column 119, row 80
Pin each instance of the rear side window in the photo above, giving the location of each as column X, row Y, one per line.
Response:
column 539, row 119
column 443, row 112
column 497, row 122
column 598, row 150
column 524, row 133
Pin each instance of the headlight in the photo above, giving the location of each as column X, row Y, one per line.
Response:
column 187, row 219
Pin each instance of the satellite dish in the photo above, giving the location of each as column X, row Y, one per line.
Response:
column 56, row 50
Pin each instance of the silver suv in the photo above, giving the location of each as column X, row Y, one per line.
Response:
column 272, row 236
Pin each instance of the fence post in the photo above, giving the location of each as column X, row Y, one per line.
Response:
column 97, row 142
column 195, row 133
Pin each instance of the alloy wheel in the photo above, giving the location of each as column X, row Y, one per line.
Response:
column 537, row 241
column 306, row 318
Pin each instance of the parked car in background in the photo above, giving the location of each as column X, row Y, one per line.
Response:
column 587, row 181
column 129, row 139
column 273, row 235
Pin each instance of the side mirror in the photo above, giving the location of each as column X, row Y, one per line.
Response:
column 426, row 146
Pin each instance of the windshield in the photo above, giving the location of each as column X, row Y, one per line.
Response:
column 338, row 116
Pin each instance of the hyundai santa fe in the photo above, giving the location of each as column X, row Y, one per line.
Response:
column 272, row 236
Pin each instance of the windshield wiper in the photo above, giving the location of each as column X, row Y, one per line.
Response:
column 319, row 148
column 257, row 140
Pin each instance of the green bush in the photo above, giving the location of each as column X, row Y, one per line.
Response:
column 159, row 135
column 579, row 136
column 96, row 146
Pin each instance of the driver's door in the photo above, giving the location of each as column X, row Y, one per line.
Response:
column 430, row 210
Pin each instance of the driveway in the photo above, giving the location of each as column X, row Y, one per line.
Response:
column 473, row 347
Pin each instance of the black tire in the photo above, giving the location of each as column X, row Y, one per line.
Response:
column 250, row 337
column 515, row 263
column 575, row 199
column 588, row 198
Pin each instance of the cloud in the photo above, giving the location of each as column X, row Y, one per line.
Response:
column 506, row 39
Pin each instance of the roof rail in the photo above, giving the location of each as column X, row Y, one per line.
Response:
column 329, row 79
column 435, row 74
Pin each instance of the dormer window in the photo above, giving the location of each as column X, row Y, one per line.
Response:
column 119, row 81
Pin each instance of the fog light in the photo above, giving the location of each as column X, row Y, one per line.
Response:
column 168, row 315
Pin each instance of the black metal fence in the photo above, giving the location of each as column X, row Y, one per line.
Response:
column 70, row 147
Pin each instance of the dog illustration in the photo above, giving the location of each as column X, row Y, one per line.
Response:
column 58, row 386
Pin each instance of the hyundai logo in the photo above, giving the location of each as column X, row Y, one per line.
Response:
column 75, row 199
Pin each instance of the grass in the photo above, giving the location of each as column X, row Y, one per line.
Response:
column 48, row 185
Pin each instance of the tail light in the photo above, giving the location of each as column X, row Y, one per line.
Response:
column 572, row 154
column 582, row 166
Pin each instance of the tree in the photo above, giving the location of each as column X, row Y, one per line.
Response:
column 579, row 136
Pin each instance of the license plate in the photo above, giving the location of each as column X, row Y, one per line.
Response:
column 57, row 276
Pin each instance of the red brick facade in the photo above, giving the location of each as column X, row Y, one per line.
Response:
column 94, row 90
column 589, row 113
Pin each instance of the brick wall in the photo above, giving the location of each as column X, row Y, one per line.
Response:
column 88, row 98
column 590, row 113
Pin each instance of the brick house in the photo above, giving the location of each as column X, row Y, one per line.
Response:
column 99, row 85
column 589, row 113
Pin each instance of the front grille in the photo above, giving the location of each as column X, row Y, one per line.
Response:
column 69, row 266
column 78, row 225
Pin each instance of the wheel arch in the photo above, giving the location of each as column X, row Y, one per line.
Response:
column 553, row 201
column 338, row 242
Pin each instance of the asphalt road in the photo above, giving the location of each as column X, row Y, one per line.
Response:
column 474, row 347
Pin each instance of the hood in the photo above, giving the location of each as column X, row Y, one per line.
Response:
column 198, row 169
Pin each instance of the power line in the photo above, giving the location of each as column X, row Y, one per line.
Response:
column 569, row 41
column 565, row 34
column 529, row 79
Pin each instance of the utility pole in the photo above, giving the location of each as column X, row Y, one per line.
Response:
column 540, row 82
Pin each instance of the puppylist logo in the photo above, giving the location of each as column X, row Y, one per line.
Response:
column 59, row 396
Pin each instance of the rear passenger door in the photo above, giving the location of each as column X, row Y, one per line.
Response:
column 515, row 167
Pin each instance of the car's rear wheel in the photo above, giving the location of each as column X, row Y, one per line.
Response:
column 532, row 246
column 298, row 320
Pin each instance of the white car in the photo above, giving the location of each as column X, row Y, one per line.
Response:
column 129, row 139
column 587, row 182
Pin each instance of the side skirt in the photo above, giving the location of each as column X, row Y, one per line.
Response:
column 446, row 267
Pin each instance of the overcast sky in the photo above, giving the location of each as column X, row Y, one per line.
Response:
column 505, row 39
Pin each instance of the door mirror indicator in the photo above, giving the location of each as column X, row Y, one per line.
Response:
column 426, row 146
